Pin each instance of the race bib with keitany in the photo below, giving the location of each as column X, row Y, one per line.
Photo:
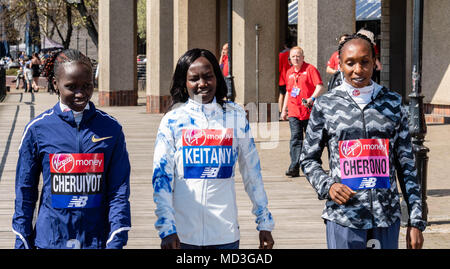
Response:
column 208, row 153
column 76, row 179
column 364, row 163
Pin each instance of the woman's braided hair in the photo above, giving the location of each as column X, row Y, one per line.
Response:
column 67, row 56
column 356, row 36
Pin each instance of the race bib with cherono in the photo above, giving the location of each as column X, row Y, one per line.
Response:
column 76, row 179
column 364, row 163
column 208, row 153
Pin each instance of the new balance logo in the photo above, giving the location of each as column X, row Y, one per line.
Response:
column 210, row 172
column 78, row 201
column 368, row 183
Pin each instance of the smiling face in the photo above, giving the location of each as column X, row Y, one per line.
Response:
column 75, row 85
column 201, row 81
column 357, row 62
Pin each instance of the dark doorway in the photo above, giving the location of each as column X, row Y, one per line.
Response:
column 397, row 51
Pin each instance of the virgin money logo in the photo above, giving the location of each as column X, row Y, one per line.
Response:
column 351, row 148
column 194, row 137
column 63, row 163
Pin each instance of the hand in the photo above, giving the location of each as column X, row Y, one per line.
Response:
column 283, row 115
column 414, row 238
column 170, row 242
column 309, row 102
column 265, row 240
column 341, row 193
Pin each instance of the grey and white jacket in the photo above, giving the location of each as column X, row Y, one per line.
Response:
column 336, row 117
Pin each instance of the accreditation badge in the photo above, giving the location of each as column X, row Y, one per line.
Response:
column 208, row 153
column 295, row 92
column 364, row 163
column 76, row 179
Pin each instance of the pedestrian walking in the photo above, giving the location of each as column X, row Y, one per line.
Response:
column 35, row 66
column 81, row 153
column 223, row 60
column 283, row 66
column 21, row 75
column 28, row 74
column 198, row 144
column 48, row 71
column 366, row 130
column 304, row 85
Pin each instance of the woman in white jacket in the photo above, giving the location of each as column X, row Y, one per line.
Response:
column 198, row 143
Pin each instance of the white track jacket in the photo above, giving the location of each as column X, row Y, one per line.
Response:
column 196, row 150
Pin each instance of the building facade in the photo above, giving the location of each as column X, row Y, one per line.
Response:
column 176, row 26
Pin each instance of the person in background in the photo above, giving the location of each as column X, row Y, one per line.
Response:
column 223, row 61
column 35, row 66
column 378, row 67
column 21, row 75
column 28, row 74
column 304, row 85
column 333, row 62
column 283, row 66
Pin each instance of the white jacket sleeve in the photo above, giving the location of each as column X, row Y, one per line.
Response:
column 250, row 168
column 163, row 178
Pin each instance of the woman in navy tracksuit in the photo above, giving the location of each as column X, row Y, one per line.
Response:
column 82, row 156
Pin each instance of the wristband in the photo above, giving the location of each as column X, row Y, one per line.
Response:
column 313, row 98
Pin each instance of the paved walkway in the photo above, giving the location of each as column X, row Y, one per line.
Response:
column 292, row 202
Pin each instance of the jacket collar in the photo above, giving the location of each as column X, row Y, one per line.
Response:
column 68, row 115
column 342, row 92
column 199, row 107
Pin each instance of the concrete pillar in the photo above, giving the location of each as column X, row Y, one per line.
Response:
column 246, row 14
column 385, row 45
column 320, row 22
column 117, row 53
column 195, row 26
column 159, row 54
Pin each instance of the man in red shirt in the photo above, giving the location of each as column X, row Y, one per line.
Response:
column 333, row 62
column 283, row 66
column 304, row 85
column 223, row 61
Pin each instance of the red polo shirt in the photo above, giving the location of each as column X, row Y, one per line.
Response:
column 283, row 66
column 225, row 65
column 306, row 79
column 333, row 62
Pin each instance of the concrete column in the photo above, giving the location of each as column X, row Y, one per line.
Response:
column 159, row 54
column 246, row 14
column 320, row 22
column 117, row 53
column 385, row 45
column 195, row 26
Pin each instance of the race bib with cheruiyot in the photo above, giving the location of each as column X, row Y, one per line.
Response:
column 208, row 153
column 364, row 163
column 76, row 179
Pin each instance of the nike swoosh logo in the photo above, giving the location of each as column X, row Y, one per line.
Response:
column 95, row 140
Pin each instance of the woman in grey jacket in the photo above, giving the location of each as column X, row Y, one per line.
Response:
column 365, row 128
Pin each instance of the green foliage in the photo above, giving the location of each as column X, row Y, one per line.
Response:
column 141, row 19
column 11, row 71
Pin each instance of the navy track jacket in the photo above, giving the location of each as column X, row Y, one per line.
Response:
column 84, row 202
